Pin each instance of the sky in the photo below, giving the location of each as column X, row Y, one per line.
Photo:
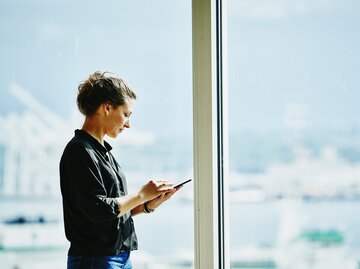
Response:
column 286, row 56
column 291, row 64
column 51, row 49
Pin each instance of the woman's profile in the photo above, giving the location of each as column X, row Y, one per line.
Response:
column 97, row 207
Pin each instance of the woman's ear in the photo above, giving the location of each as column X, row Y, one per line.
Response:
column 107, row 108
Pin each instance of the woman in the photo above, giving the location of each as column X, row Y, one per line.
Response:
column 97, row 207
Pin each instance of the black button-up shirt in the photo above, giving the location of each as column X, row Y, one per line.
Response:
column 90, row 180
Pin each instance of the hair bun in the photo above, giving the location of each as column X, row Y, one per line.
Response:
column 95, row 77
column 99, row 88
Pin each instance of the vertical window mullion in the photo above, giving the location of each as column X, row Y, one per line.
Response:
column 210, row 136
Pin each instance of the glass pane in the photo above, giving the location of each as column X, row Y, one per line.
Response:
column 294, row 128
column 48, row 48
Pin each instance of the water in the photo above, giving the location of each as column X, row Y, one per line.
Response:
column 169, row 231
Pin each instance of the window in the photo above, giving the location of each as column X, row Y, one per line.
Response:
column 47, row 49
column 294, row 128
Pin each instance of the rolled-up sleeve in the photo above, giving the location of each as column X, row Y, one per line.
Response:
column 83, row 185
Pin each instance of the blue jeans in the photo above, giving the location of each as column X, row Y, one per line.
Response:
column 121, row 261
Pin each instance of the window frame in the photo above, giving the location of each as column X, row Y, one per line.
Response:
column 210, row 136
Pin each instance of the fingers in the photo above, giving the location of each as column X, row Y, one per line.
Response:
column 159, row 189
column 179, row 187
column 164, row 196
column 163, row 185
column 168, row 195
column 154, row 189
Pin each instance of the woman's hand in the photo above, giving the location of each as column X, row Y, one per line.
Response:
column 154, row 203
column 154, row 189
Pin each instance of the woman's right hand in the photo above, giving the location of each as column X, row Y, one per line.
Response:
column 154, row 188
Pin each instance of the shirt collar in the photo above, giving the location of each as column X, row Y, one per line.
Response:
column 93, row 141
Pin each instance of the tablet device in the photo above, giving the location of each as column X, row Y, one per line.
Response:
column 181, row 183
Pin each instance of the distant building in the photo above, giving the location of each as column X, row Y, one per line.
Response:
column 31, row 143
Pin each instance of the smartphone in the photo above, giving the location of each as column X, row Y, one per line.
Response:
column 182, row 183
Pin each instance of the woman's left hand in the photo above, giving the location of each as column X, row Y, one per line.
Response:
column 152, row 204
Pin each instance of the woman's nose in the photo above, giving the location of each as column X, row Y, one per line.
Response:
column 127, row 124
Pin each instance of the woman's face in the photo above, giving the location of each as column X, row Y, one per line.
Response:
column 118, row 118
